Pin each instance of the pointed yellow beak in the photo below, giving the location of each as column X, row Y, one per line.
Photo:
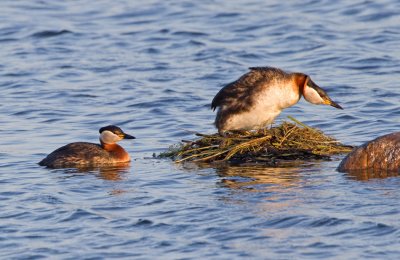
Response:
column 332, row 103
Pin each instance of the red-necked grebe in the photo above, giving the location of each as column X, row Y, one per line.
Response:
column 82, row 154
column 258, row 97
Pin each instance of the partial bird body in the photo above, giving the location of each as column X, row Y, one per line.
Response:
column 258, row 97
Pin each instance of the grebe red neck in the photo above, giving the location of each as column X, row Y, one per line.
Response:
column 109, row 147
column 116, row 151
column 301, row 81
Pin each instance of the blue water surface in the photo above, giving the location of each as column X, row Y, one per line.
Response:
column 152, row 67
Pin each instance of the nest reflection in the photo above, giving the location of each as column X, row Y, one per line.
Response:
column 261, row 178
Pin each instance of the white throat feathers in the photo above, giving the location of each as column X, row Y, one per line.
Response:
column 312, row 96
column 109, row 137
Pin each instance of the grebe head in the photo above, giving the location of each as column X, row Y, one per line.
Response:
column 112, row 134
column 316, row 95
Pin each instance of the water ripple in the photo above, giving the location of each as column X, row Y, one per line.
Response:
column 153, row 67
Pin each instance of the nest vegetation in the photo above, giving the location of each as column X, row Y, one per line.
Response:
column 288, row 141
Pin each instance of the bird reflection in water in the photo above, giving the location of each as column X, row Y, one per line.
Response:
column 114, row 173
column 109, row 173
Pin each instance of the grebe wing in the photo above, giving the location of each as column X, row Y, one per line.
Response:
column 80, row 148
column 223, row 94
column 73, row 153
column 267, row 69
column 241, row 94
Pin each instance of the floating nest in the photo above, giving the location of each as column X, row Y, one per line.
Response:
column 286, row 142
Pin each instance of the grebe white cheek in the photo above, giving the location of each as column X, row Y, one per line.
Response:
column 316, row 95
column 109, row 137
column 312, row 96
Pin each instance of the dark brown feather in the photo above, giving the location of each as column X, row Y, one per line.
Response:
column 240, row 95
column 79, row 153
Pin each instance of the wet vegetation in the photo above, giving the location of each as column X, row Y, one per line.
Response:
column 288, row 141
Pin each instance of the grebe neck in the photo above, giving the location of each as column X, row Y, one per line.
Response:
column 301, row 81
column 109, row 147
column 116, row 151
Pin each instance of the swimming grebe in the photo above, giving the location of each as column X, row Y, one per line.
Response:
column 83, row 154
column 258, row 97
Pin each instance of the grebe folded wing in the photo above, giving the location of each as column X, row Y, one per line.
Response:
column 240, row 94
column 75, row 154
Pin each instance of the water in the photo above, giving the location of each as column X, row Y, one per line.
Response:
column 152, row 67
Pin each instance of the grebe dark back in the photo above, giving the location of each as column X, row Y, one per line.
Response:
column 258, row 97
column 82, row 154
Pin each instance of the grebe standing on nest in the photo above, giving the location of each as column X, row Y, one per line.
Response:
column 258, row 97
column 82, row 154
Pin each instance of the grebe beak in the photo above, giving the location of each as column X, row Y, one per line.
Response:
column 126, row 136
column 333, row 103
column 325, row 98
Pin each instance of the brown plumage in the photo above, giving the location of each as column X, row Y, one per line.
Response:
column 82, row 154
column 256, row 98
